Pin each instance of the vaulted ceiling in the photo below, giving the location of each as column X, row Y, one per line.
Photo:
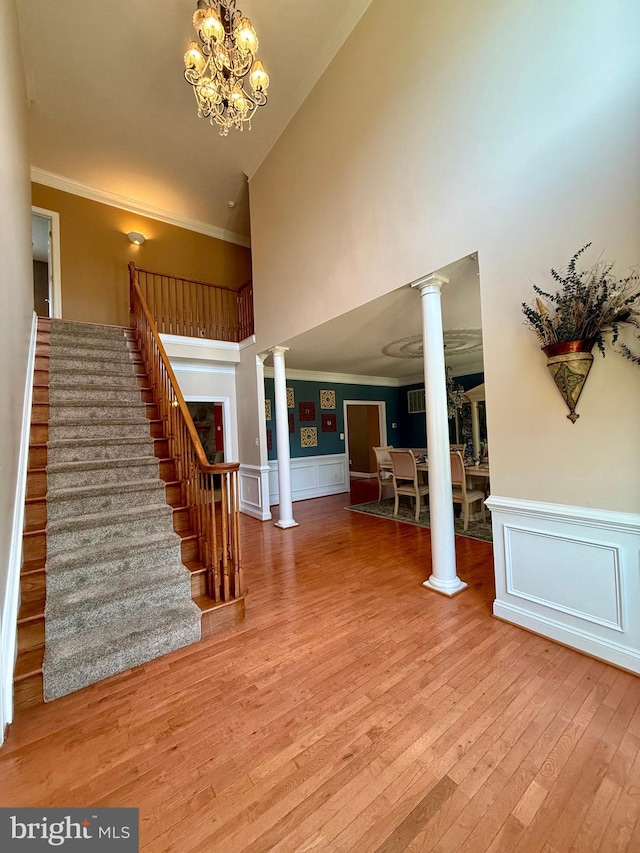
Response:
column 110, row 108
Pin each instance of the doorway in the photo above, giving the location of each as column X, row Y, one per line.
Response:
column 365, row 426
column 45, row 242
column 208, row 419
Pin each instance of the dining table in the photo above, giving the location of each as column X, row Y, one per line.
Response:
column 472, row 472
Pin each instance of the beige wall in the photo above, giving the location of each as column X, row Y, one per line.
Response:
column 95, row 251
column 16, row 299
column 510, row 129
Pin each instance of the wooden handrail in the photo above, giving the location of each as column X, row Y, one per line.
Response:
column 197, row 309
column 193, row 280
column 218, row 532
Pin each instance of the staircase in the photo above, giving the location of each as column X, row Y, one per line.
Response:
column 108, row 543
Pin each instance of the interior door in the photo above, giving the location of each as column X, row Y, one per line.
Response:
column 363, row 429
column 41, row 248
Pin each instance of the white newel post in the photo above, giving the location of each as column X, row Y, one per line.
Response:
column 475, row 429
column 282, row 439
column 444, row 578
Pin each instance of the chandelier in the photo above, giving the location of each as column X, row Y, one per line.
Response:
column 218, row 66
column 456, row 398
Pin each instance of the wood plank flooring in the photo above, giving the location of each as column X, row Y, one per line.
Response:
column 353, row 710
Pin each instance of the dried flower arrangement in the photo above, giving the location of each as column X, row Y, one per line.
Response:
column 590, row 305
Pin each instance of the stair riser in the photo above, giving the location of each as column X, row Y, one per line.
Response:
column 35, row 515
column 37, row 457
column 32, row 587
column 97, row 451
column 91, row 614
column 134, row 429
column 81, row 392
column 30, row 635
column 105, row 475
column 36, row 484
column 74, row 577
column 70, row 508
column 80, row 354
column 198, row 584
column 58, row 542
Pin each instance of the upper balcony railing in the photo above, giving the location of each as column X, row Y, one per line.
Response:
column 196, row 309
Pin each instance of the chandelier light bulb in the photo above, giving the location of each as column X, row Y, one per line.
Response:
column 210, row 27
column 218, row 66
column 259, row 77
column 246, row 38
column 193, row 58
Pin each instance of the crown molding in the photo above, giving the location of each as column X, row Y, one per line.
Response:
column 339, row 378
column 58, row 182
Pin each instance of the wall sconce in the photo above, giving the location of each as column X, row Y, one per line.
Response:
column 136, row 237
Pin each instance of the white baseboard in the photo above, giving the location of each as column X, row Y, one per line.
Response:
column 570, row 574
column 312, row 477
column 254, row 491
column 11, row 603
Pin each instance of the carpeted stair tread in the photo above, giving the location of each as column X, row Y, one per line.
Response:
column 104, row 497
column 91, row 393
column 94, row 373
column 76, row 327
column 88, row 657
column 86, row 449
column 93, row 464
column 77, row 609
column 110, row 556
column 130, row 515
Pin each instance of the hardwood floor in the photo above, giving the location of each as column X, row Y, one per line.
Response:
column 353, row 710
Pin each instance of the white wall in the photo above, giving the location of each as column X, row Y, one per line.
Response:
column 212, row 383
column 511, row 129
column 16, row 297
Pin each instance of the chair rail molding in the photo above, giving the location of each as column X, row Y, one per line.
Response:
column 571, row 574
column 312, row 477
column 254, row 491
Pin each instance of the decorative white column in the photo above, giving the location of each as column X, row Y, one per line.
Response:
column 282, row 439
column 475, row 429
column 444, row 578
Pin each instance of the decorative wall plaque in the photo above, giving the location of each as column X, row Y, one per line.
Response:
column 327, row 399
column 269, row 439
column 308, row 436
column 267, row 410
column 292, row 426
column 329, row 423
column 291, row 404
column 307, row 411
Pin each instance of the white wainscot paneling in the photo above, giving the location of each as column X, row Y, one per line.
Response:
column 254, row 487
column 571, row 574
column 312, row 477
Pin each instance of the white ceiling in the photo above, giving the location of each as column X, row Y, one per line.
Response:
column 354, row 342
column 110, row 108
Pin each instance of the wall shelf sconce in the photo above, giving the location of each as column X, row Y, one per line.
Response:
column 136, row 237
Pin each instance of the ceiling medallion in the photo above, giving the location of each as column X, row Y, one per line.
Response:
column 456, row 341
column 218, row 66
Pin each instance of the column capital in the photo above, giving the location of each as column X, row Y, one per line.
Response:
column 261, row 357
column 431, row 283
column 278, row 350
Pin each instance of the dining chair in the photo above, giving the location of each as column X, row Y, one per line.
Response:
column 461, row 493
column 384, row 473
column 405, row 478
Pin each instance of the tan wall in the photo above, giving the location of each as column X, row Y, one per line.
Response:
column 490, row 127
column 95, row 251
